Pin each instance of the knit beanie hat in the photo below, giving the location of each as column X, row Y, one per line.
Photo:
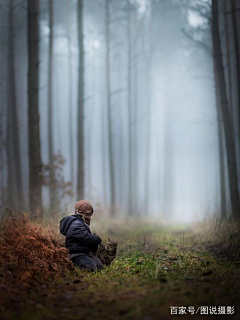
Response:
column 83, row 207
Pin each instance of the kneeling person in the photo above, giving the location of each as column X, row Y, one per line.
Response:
column 80, row 241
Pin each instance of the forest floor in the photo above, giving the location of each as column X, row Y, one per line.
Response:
column 157, row 267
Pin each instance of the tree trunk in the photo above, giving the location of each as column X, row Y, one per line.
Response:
column 148, row 117
column 15, row 194
column 135, row 133
column 228, row 126
column 53, row 194
column 104, row 175
column 148, row 122
column 80, row 120
column 70, row 91
column 34, row 148
column 129, row 106
column 168, row 199
column 109, row 114
column 228, row 58
column 237, row 56
column 120, row 128
column 223, row 208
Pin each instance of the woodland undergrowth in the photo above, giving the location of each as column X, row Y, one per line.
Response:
column 30, row 253
column 220, row 237
column 157, row 266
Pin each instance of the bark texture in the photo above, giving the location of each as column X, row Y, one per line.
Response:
column 15, row 194
column 227, row 121
column 35, row 162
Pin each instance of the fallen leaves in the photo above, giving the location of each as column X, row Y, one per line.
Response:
column 27, row 255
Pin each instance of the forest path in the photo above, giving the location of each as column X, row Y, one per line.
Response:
column 156, row 267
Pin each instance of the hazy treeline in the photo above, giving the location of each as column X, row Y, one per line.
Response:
column 132, row 104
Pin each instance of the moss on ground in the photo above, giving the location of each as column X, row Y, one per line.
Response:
column 156, row 267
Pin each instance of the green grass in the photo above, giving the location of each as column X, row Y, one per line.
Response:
column 155, row 268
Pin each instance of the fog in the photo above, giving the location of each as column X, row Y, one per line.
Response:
column 163, row 117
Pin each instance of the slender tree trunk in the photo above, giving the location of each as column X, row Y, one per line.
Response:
column 120, row 149
column 80, row 115
column 53, row 193
column 223, row 208
column 109, row 113
column 104, row 175
column 15, row 194
column 135, row 145
column 168, row 88
column 148, row 121
column 148, row 117
column 236, row 37
column 168, row 151
column 11, row 190
column 70, row 91
column 34, row 147
column 228, row 58
column 129, row 106
column 159, row 172
column 88, row 152
column 228, row 126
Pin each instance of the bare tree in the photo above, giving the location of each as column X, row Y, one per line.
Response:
column 223, row 207
column 70, row 85
column 15, row 194
column 237, row 52
column 148, row 51
column 134, row 115
column 80, row 120
column 53, row 192
column 129, row 107
column 228, row 57
column 221, row 123
column 109, row 110
column 227, row 121
column 104, row 174
column 34, row 147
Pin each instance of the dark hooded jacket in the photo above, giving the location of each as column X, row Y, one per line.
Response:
column 79, row 238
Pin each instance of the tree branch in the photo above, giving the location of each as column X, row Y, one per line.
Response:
column 200, row 44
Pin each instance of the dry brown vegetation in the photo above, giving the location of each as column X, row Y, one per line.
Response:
column 221, row 237
column 30, row 254
column 156, row 267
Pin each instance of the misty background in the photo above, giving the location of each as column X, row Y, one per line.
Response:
column 128, row 106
